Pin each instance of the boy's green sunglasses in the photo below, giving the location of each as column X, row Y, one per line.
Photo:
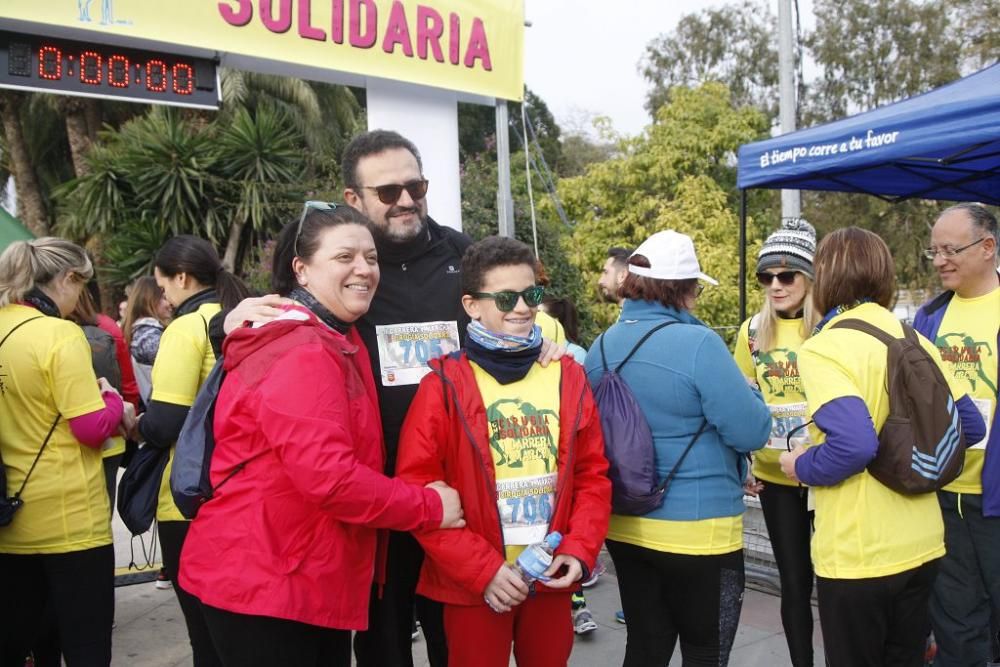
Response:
column 507, row 300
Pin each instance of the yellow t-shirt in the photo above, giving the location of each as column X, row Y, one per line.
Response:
column 551, row 328
column 45, row 370
column 864, row 528
column 967, row 341
column 523, row 423
column 184, row 360
column 776, row 372
column 705, row 537
column 113, row 446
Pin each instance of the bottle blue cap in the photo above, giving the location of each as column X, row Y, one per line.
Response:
column 554, row 539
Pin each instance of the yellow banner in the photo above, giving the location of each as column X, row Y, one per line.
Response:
column 473, row 46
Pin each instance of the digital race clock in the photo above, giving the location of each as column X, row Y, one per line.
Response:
column 69, row 67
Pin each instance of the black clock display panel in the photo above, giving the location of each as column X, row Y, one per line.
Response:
column 71, row 67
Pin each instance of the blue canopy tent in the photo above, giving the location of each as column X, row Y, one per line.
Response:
column 944, row 144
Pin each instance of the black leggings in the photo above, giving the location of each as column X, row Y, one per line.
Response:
column 390, row 616
column 262, row 641
column 78, row 588
column 667, row 596
column 172, row 534
column 876, row 622
column 789, row 525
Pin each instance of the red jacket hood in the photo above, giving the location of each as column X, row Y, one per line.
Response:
column 244, row 341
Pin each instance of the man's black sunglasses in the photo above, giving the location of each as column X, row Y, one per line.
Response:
column 390, row 194
column 785, row 278
column 506, row 300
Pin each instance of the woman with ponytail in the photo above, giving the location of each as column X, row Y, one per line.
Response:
column 283, row 555
column 191, row 275
column 55, row 538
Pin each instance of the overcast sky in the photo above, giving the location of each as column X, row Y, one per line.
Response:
column 581, row 56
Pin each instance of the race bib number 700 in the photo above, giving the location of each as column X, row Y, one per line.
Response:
column 405, row 349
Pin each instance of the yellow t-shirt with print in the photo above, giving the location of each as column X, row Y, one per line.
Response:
column 863, row 528
column 184, row 360
column 523, row 430
column 45, row 371
column 776, row 372
column 967, row 341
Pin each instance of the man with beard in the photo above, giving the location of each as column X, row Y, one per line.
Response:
column 416, row 315
column 613, row 274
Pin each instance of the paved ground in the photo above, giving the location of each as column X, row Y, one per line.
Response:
column 150, row 630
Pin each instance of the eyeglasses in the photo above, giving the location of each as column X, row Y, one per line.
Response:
column 698, row 289
column 506, row 300
column 315, row 205
column 949, row 251
column 785, row 278
column 390, row 194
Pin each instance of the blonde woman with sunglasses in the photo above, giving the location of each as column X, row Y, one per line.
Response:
column 767, row 353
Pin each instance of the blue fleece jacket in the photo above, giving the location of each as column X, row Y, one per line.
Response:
column 681, row 376
column 927, row 322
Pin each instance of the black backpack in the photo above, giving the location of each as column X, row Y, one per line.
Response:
column 104, row 357
column 921, row 447
column 189, row 476
column 628, row 442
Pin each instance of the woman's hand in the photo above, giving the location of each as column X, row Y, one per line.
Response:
column 787, row 461
column 451, row 503
column 128, row 420
column 550, row 352
column 255, row 309
column 506, row 590
column 574, row 570
column 105, row 387
column 752, row 486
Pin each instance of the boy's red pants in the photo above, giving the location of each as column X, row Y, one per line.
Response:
column 540, row 629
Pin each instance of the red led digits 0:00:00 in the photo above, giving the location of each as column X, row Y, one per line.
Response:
column 93, row 72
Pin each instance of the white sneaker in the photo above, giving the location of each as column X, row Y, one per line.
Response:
column 163, row 582
column 583, row 621
column 599, row 569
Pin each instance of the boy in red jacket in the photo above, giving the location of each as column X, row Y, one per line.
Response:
column 522, row 445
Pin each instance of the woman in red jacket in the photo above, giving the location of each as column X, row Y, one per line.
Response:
column 283, row 556
column 522, row 444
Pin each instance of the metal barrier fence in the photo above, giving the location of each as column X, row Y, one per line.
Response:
column 761, row 569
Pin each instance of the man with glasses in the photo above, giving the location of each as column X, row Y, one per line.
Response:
column 416, row 315
column 964, row 323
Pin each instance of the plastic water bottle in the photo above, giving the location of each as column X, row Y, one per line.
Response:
column 537, row 558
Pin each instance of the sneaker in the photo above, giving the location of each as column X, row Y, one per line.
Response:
column 583, row 622
column 599, row 569
column 415, row 635
column 620, row 616
column 163, row 581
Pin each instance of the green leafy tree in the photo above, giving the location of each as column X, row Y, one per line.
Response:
column 876, row 52
column 164, row 174
column 679, row 174
column 479, row 218
column 733, row 44
column 477, row 128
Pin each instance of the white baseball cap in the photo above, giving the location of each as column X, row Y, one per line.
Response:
column 671, row 257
